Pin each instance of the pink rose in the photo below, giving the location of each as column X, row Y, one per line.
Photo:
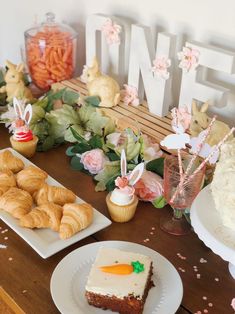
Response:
column 121, row 182
column 149, row 187
column 94, row 160
column 129, row 95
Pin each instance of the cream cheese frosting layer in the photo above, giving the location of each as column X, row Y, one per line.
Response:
column 120, row 198
column 223, row 185
column 118, row 285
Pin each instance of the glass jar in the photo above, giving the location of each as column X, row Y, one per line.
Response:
column 50, row 52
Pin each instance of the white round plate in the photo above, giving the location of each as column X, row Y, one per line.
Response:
column 70, row 276
column 208, row 225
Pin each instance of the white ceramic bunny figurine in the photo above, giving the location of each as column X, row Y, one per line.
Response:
column 102, row 86
column 200, row 121
column 15, row 86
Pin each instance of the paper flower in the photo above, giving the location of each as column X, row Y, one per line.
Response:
column 129, row 95
column 83, row 77
column 160, row 66
column 111, row 32
column 121, row 182
column 188, row 58
column 149, row 187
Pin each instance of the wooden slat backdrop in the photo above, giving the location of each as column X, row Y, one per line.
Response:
column 128, row 116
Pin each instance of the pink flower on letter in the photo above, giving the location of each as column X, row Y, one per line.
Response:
column 94, row 160
column 160, row 66
column 129, row 95
column 188, row 58
column 111, row 32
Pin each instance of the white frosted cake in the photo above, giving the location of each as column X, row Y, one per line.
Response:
column 123, row 293
column 223, row 185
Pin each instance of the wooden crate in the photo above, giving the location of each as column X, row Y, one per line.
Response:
column 138, row 118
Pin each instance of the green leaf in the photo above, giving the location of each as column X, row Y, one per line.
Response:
column 70, row 97
column 41, row 103
column 156, row 165
column 76, row 163
column 112, row 156
column 68, row 135
column 48, row 143
column 78, row 137
column 69, row 151
column 111, row 169
column 96, row 142
column 66, row 116
column 85, row 112
column 110, row 185
column 93, row 100
column 159, row 202
column 81, row 148
column 56, row 129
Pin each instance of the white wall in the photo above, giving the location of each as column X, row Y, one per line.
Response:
column 208, row 21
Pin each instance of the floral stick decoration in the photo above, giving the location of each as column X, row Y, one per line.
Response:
column 189, row 58
column 160, row 66
column 111, row 32
column 20, row 125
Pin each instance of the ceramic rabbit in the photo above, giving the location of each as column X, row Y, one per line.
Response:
column 102, row 85
column 200, row 121
column 15, row 86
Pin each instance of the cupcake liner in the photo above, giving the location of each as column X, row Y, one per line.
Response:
column 121, row 213
column 27, row 149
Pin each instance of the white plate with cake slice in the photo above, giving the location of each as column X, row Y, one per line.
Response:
column 69, row 280
column 45, row 241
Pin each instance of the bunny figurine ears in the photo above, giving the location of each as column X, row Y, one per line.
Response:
column 135, row 175
column 24, row 114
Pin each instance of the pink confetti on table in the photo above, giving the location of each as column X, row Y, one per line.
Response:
column 210, row 304
column 6, row 238
column 202, row 260
column 0, row 228
column 153, row 228
column 205, row 311
column 198, row 276
column 10, row 259
column 151, row 233
column 24, row 291
column 216, row 279
column 204, row 298
column 2, row 246
column 196, row 270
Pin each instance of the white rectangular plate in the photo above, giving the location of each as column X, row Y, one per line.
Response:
column 45, row 241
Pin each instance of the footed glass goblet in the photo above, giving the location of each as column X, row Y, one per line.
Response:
column 179, row 195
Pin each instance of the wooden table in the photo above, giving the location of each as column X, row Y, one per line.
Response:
column 25, row 276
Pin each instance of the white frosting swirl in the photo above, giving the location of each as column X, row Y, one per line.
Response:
column 118, row 197
column 223, row 184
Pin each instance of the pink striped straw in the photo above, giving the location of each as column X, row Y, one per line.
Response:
column 216, row 148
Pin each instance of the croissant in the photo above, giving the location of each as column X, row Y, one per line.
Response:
column 7, row 180
column 44, row 216
column 16, row 202
column 54, row 194
column 75, row 218
column 31, row 179
column 10, row 162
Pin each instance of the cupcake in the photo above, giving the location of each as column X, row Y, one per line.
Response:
column 122, row 201
column 23, row 140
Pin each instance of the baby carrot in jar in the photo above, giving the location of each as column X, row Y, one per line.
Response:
column 50, row 52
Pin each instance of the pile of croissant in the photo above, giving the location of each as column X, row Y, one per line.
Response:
column 21, row 187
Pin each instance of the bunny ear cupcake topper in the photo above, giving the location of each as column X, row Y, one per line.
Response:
column 23, row 114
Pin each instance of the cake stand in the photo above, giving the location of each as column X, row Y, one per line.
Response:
column 207, row 223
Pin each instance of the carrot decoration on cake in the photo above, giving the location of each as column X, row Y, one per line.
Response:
column 123, row 269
